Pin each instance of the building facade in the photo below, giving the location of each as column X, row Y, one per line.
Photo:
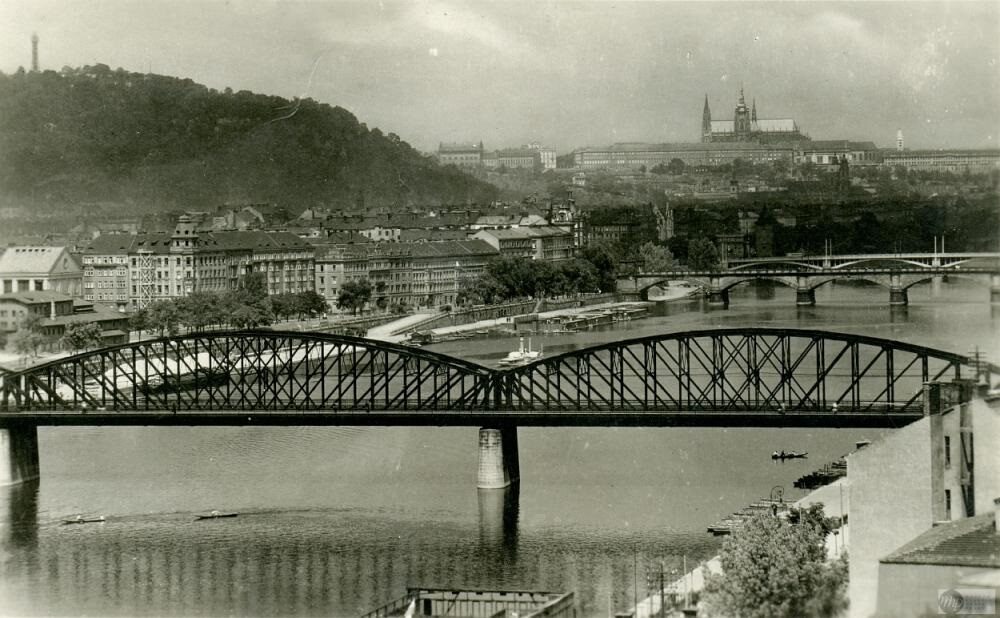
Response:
column 830, row 152
column 56, row 312
column 38, row 269
column 975, row 161
column 404, row 273
column 631, row 156
column 941, row 468
column 131, row 271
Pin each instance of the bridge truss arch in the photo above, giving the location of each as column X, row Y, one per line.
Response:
column 254, row 370
column 734, row 377
column 738, row 371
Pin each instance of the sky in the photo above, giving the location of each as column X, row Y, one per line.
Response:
column 566, row 74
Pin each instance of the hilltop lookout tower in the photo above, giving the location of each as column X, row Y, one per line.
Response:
column 34, row 52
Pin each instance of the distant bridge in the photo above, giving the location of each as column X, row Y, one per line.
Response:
column 897, row 272
column 751, row 377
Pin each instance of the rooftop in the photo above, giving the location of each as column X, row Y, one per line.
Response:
column 31, row 259
column 685, row 147
column 971, row 542
column 34, row 298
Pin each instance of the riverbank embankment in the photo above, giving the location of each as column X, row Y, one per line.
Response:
column 835, row 499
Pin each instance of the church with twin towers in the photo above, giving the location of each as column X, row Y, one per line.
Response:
column 747, row 127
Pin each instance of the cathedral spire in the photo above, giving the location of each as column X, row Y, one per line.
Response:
column 753, row 112
column 742, row 100
column 706, row 122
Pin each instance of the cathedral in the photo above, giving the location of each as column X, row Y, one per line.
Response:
column 746, row 127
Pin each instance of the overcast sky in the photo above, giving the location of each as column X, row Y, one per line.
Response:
column 568, row 74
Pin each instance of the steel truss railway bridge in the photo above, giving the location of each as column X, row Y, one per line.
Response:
column 742, row 377
column 896, row 272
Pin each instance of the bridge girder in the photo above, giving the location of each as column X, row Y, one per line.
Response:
column 750, row 376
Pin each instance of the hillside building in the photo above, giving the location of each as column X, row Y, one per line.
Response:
column 461, row 155
column 747, row 127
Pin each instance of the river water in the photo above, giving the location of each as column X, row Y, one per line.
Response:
column 336, row 521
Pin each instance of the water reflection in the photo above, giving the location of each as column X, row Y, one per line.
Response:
column 499, row 510
column 20, row 503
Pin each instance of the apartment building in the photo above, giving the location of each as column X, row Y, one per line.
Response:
column 131, row 271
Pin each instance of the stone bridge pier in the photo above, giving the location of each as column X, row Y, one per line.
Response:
column 18, row 454
column 995, row 289
column 498, row 457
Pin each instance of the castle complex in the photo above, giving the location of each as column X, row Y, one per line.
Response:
column 746, row 127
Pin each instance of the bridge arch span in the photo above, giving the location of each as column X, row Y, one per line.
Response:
column 750, row 267
column 744, row 370
column 249, row 370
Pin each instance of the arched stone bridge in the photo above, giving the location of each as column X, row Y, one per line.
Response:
column 804, row 275
column 723, row 377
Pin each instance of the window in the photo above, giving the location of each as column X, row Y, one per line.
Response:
column 947, row 504
column 947, row 451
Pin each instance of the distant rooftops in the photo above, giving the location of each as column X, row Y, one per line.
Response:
column 160, row 242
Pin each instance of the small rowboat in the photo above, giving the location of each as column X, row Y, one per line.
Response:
column 215, row 515
column 80, row 519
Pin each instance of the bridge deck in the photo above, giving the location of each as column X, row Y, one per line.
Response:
column 658, row 418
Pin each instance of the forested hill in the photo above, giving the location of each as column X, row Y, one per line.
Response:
column 96, row 134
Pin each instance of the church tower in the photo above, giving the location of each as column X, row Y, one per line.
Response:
column 753, row 117
column 706, row 123
column 741, row 119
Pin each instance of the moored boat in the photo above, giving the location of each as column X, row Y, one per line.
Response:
column 80, row 519
column 520, row 356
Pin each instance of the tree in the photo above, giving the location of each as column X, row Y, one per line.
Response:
column 676, row 166
column 655, row 258
column 199, row 310
column 82, row 335
column 252, row 316
column 311, row 303
column 28, row 337
column 774, row 568
column 139, row 321
column 702, row 255
column 163, row 316
column 354, row 295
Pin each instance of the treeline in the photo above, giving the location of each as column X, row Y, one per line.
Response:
column 508, row 279
column 249, row 306
column 97, row 134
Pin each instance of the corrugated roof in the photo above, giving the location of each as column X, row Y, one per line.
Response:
column 30, row 259
column 970, row 542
